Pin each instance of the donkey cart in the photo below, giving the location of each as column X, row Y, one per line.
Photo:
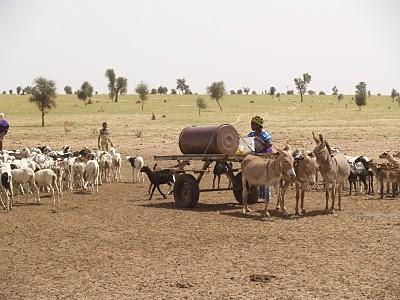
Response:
column 187, row 186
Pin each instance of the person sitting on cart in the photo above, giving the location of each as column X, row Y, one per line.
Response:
column 262, row 144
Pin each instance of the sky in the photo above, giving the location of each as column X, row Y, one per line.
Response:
column 253, row 43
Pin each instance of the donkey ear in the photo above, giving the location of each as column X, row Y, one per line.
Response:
column 315, row 139
column 321, row 138
column 328, row 147
column 287, row 147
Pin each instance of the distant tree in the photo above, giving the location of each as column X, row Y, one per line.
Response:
column 216, row 91
column 4, row 92
column 162, row 90
column 188, row 91
column 121, row 87
column 232, row 92
column 153, row 91
column 311, row 92
column 10, row 92
column 112, row 79
column 335, row 90
column 246, row 90
column 321, row 93
column 340, row 97
column 19, row 89
column 272, row 91
column 239, row 92
column 393, row 94
column 301, row 84
column 201, row 104
column 85, row 93
column 290, row 92
column 369, row 93
column 68, row 90
column 43, row 95
column 96, row 92
column 254, row 93
column 181, row 85
column 173, row 91
column 143, row 90
column 278, row 95
column 27, row 90
column 361, row 94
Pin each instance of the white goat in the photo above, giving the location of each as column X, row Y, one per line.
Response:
column 25, row 178
column 91, row 176
column 6, row 188
column 137, row 164
column 48, row 179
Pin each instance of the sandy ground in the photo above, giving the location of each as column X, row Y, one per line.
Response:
column 119, row 245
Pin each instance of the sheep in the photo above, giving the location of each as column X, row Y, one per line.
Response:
column 116, row 167
column 105, row 165
column 47, row 179
column 219, row 169
column 25, row 178
column 91, row 176
column 157, row 178
column 137, row 164
column 78, row 170
column 6, row 187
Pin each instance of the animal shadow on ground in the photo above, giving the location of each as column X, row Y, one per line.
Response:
column 26, row 204
column 200, row 207
column 258, row 216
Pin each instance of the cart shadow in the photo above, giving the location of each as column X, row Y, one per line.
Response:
column 200, row 207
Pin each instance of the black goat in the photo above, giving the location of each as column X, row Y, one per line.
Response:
column 370, row 174
column 219, row 169
column 157, row 178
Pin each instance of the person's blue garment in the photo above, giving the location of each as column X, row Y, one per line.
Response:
column 4, row 126
column 266, row 137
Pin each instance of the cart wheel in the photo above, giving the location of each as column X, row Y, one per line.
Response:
column 238, row 190
column 186, row 191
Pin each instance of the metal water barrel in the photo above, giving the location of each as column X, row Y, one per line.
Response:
column 217, row 139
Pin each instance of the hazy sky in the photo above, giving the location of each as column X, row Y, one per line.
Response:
column 254, row 43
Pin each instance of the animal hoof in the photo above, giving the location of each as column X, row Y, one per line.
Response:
column 266, row 214
column 332, row 210
column 303, row 211
column 297, row 213
column 278, row 208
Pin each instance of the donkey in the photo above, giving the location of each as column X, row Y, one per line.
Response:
column 305, row 166
column 334, row 169
column 258, row 171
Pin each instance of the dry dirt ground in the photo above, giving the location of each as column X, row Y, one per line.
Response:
column 119, row 245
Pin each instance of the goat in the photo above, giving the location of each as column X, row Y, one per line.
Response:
column 157, row 178
column 105, row 165
column 258, row 171
column 370, row 177
column 386, row 155
column 47, row 179
column 78, row 170
column 116, row 167
column 137, row 163
column 220, row 168
column 178, row 168
column 384, row 173
column 305, row 166
column 358, row 173
column 334, row 169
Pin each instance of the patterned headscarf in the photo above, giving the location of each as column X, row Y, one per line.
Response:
column 258, row 120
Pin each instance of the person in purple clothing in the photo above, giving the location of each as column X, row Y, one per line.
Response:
column 3, row 129
column 262, row 144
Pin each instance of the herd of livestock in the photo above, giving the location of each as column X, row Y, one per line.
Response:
column 41, row 169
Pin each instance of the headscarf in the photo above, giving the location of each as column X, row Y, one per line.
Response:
column 258, row 120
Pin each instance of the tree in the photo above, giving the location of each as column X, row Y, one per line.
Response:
column 361, row 94
column 239, row 92
column 43, row 95
column 121, row 87
column 201, row 104
column 278, row 95
column 232, row 92
column 340, row 97
column 254, row 93
column 393, row 94
column 311, row 92
column 153, row 91
column 68, row 90
column 272, row 91
column 246, row 90
column 4, row 92
column 301, row 84
column 142, row 89
column 321, row 93
column 173, row 91
column 10, row 92
column 27, row 90
column 86, row 92
column 290, row 92
column 335, row 90
column 216, row 91
column 162, row 90
column 369, row 93
column 112, row 79
column 19, row 89
column 181, row 85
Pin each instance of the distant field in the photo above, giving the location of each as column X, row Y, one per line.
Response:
column 369, row 131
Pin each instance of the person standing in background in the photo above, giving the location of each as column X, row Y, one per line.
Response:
column 4, row 126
